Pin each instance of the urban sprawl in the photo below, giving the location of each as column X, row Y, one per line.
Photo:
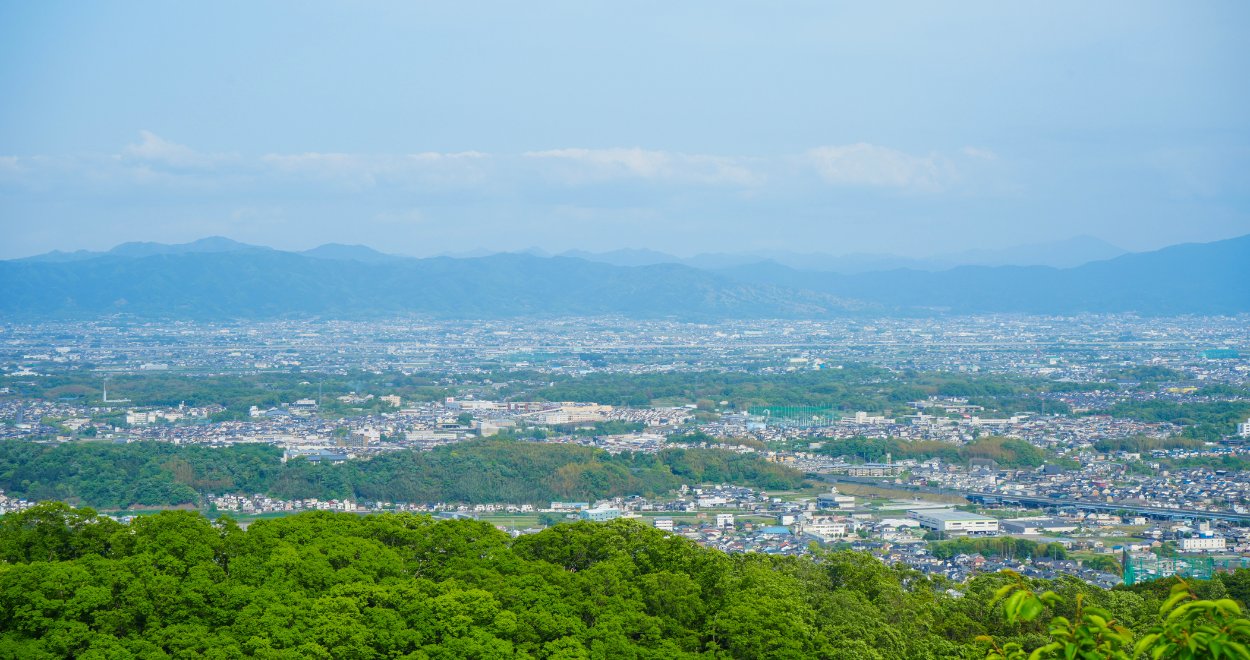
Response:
column 482, row 379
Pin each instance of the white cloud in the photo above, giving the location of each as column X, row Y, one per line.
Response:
column 156, row 149
column 157, row 164
column 587, row 165
column 980, row 153
column 864, row 164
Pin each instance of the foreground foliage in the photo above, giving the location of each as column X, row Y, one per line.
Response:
column 324, row 585
column 1190, row 628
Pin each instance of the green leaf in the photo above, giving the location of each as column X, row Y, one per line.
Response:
column 1045, row 651
column 1172, row 601
column 1003, row 591
column 1011, row 608
column 1238, row 647
column 1052, row 598
column 1030, row 608
column 1229, row 605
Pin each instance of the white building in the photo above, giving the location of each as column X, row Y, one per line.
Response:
column 862, row 417
column 823, row 527
column 1202, row 543
column 724, row 520
column 950, row 520
column 1243, row 430
column 835, row 500
column 139, row 418
column 600, row 514
column 452, row 404
column 663, row 524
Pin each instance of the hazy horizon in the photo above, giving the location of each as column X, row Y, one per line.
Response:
column 546, row 252
column 911, row 130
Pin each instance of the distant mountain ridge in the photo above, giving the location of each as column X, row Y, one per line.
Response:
column 341, row 252
column 213, row 244
column 1192, row 278
column 140, row 249
column 1067, row 253
column 222, row 278
column 267, row 284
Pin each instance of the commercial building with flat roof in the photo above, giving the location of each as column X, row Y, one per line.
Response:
column 950, row 520
column 1036, row 526
column 1199, row 543
column 600, row 515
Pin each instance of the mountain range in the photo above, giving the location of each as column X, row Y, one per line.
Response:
column 213, row 244
column 1066, row 253
column 1192, row 278
column 254, row 283
column 217, row 277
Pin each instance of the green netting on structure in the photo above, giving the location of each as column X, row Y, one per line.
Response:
column 794, row 416
column 1140, row 568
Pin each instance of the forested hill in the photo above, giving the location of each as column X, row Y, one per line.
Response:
column 324, row 585
column 114, row 476
column 247, row 282
column 269, row 283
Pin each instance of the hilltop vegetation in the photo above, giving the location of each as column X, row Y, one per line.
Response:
column 1008, row 452
column 1208, row 421
column 496, row 469
column 323, row 585
column 853, row 386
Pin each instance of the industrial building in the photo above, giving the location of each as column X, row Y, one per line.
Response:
column 956, row 522
column 1035, row 526
column 602, row 514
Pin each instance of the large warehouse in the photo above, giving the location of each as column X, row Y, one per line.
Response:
column 1036, row 526
column 952, row 521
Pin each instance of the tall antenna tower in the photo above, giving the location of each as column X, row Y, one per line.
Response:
column 106, row 393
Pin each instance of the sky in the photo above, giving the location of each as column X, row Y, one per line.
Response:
column 418, row 128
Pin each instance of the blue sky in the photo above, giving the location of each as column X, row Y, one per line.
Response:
column 911, row 128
